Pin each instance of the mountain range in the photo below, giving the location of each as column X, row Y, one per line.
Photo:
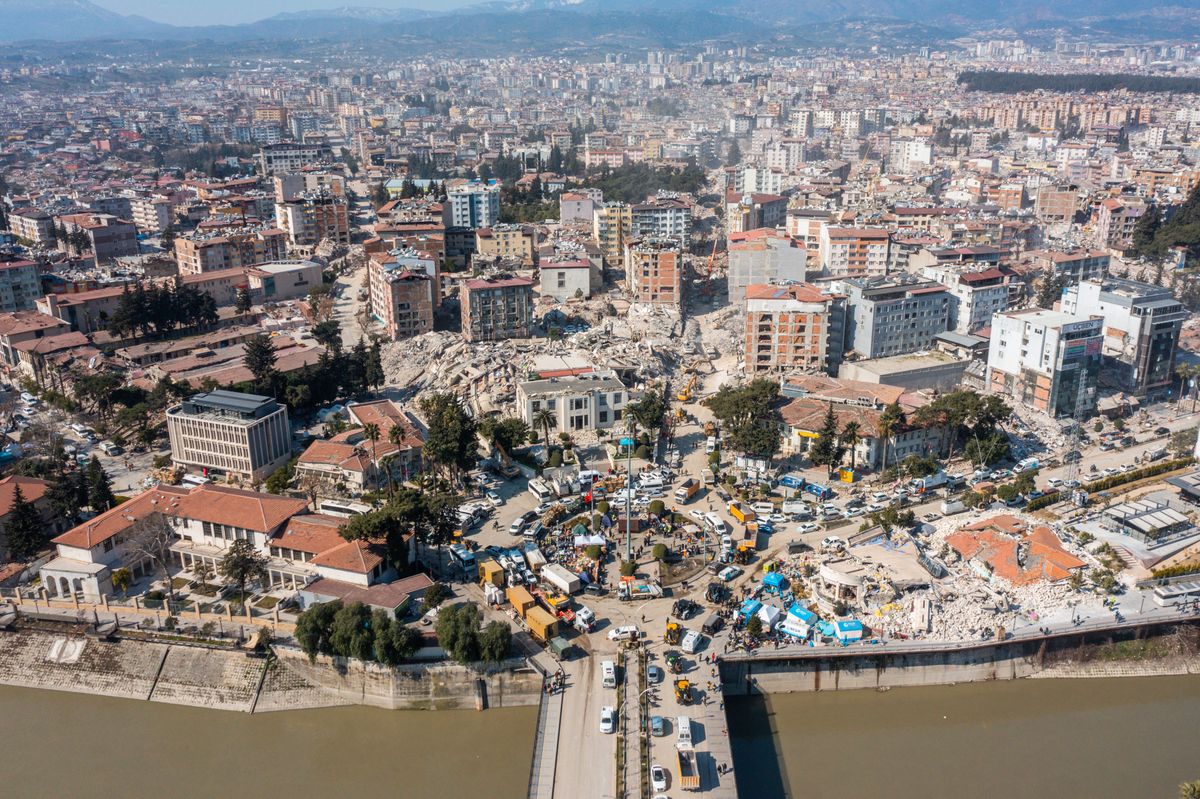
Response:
column 517, row 24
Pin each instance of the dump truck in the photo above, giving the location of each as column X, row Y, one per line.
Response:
column 491, row 572
column 632, row 591
column 689, row 774
column 741, row 512
column 683, row 692
column 686, row 490
column 674, row 631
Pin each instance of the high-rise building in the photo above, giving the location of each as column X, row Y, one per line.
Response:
column 796, row 327
column 403, row 292
column 654, row 271
column 1142, row 323
column 663, row 218
column 496, row 308
column 288, row 157
column 854, row 251
column 763, row 256
column 313, row 216
column 612, row 227
column 1048, row 360
column 894, row 315
column 751, row 210
column 474, row 205
column 226, row 432
column 231, row 250
column 20, row 285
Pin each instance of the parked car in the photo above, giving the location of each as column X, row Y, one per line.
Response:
column 833, row 542
column 809, row 527
column 495, row 499
column 1162, row 431
column 729, row 573
column 608, row 720
column 658, row 777
column 626, row 633
column 658, row 725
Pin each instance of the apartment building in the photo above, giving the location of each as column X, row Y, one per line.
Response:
column 282, row 280
column 1076, row 265
column 496, row 308
column 226, row 432
column 288, row 187
column 567, row 279
column 309, row 217
column 233, row 249
column 1142, row 323
column 795, row 327
column 20, row 285
column 33, row 225
column 748, row 211
column 854, row 251
column 763, row 256
column 510, row 243
column 654, row 271
column 895, row 315
column 612, row 227
column 20, row 327
column 1054, row 205
column 108, row 237
column 151, row 214
column 473, row 205
column 403, row 292
column 590, row 401
column 663, row 218
column 1048, row 360
column 289, row 157
column 976, row 295
column 1114, row 221
column 578, row 207
column 909, row 155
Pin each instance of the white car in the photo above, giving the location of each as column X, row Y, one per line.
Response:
column 729, row 573
column 658, row 778
column 853, row 512
column 763, row 508
column 495, row 499
column 696, row 514
column 608, row 720
column 1054, row 482
column 726, row 542
column 881, row 496
column 627, row 633
column 809, row 527
column 777, row 518
column 875, row 507
column 833, row 542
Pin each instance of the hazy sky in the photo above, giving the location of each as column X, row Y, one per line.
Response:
column 222, row 12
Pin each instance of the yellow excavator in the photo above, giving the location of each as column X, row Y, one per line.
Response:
column 685, row 394
column 683, row 692
column 673, row 634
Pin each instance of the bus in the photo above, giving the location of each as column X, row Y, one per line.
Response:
column 464, row 559
column 819, row 491
column 341, row 508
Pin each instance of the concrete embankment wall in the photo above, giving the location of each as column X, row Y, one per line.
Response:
column 437, row 686
column 837, row 669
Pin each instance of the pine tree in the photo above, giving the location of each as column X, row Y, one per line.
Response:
column 100, row 494
column 25, row 530
column 243, row 302
column 1145, row 231
column 260, row 359
column 828, row 449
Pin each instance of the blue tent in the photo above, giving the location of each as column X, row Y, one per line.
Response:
column 775, row 582
column 749, row 608
column 847, row 631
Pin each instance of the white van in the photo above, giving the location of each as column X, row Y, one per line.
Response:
column 608, row 674
column 691, row 642
column 683, row 729
column 710, row 446
column 540, row 489
column 716, row 523
column 650, row 480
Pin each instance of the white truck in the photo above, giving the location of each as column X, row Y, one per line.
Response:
column 561, row 579
column 928, row 483
column 952, row 506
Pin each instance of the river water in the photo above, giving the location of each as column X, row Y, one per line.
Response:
column 1057, row 739
column 64, row 744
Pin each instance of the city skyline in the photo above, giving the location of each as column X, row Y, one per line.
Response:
column 233, row 12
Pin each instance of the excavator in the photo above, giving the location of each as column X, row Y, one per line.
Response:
column 685, row 393
column 683, row 692
column 673, row 634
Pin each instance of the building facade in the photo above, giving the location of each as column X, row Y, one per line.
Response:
column 1142, row 323
column 894, row 316
column 310, row 217
column 1048, row 360
column 20, row 285
column 497, row 308
column 794, row 327
column 230, row 433
column 591, row 401
column 655, row 271
column 473, row 205
column 402, row 293
column 763, row 256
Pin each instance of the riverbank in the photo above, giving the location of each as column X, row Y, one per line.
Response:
column 222, row 678
column 1100, row 738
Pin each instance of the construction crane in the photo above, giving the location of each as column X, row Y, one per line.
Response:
column 1073, row 440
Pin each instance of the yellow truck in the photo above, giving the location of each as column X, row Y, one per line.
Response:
column 742, row 514
column 689, row 774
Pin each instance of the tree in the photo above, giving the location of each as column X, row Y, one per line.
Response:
column 735, row 154
column 850, row 436
column 25, row 530
column 260, row 359
column 750, row 416
column 328, row 334
column 1182, row 442
column 281, row 478
column 380, row 196
column 167, row 239
column 545, row 419
column 891, row 420
column 149, row 539
column 313, row 628
column 505, row 434
column 495, row 641
column 659, row 552
column 100, row 495
column 1145, row 232
column 371, row 433
column 350, row 633
column 451, row 442
column 1189, row 790
column 754, row 627
column 828, row 450
column 458, row 632
column 65, row 494
column 241, row 564
column 1050, row 289
column 243, row 302
column 121, row 580
column 434, row 595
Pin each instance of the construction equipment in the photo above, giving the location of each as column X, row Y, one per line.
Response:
column 689, row 772
column 683, row 691
column 685, row 394
column 674, row 662
column 672, row 634
column 744, row 553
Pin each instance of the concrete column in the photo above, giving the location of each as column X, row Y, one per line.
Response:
column 104, row 600
column 199, row 613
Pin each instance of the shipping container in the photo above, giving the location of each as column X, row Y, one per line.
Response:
column 520, row 599
column 542, row 625
column 561, row 579
column 491, row 572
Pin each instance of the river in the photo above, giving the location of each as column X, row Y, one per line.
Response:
column 1035, row 739
column 66, row 744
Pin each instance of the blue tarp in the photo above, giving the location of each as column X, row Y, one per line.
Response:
column 802, row 613
column 775, row 581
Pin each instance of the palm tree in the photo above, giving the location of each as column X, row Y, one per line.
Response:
column 889, row 420
column 371, row 432
column 544, row 419
column 1186, row 372
column 396, row 439
column 851, row 435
